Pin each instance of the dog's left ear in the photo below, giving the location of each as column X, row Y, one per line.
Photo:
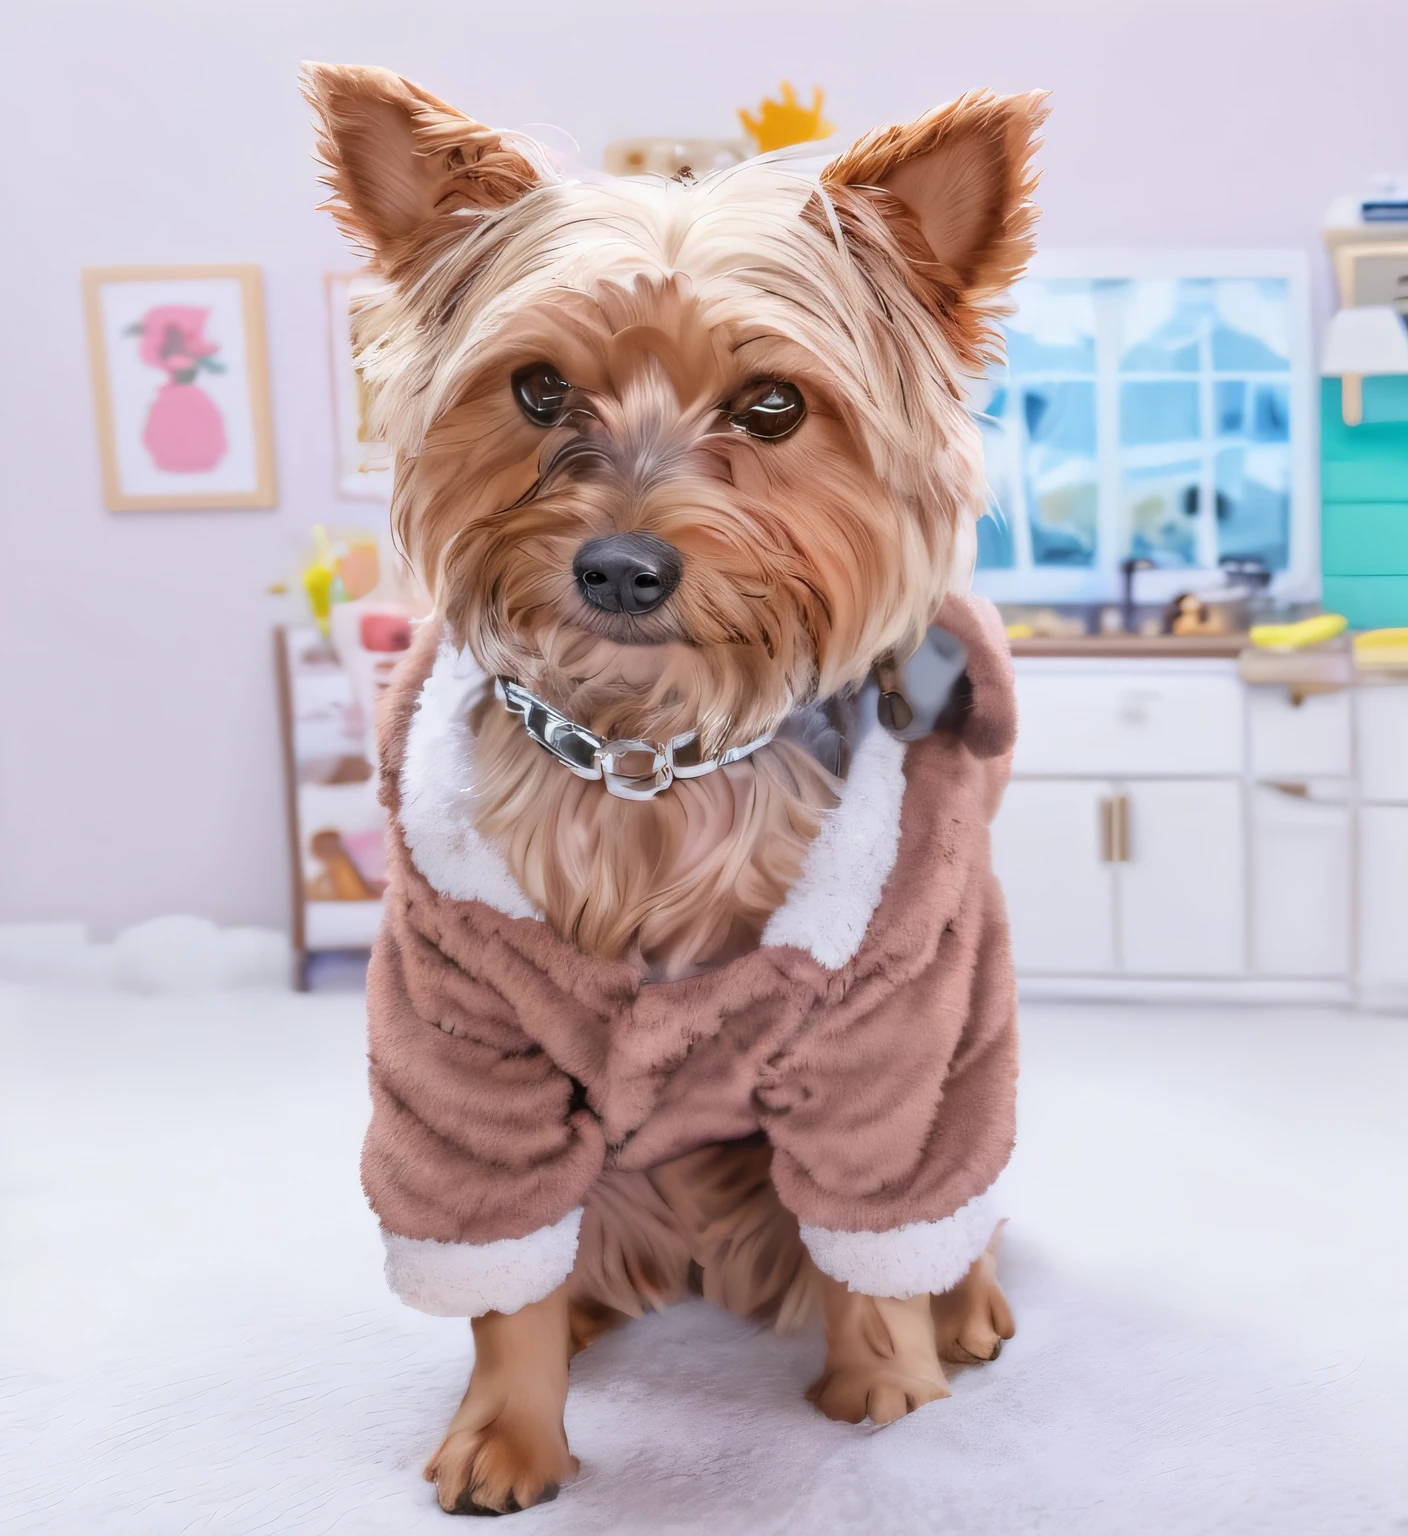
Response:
column 400, row 161
column 963, row 174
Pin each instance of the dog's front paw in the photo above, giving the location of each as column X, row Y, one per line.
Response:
column 878, row 1392
column 507, row 1465
column 880, row 1357
column 972, row 1320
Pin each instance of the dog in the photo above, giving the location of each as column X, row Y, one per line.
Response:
column 694, row 975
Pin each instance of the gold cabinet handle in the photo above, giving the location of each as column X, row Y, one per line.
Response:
column 1114, row 829
column 1107, row 829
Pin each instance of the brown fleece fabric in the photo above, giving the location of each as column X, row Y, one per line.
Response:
column 508, row 1068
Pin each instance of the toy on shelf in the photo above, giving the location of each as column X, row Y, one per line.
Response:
column 343, row 567
column 776, row 125
column 781, row 124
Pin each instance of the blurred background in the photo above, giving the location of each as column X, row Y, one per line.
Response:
column 141, row 771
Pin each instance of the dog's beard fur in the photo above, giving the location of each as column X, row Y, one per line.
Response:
column 804, row 559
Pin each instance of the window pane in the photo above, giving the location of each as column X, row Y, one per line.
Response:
column 1061, row 416
column 1159, row 503
column 1252, row 331
column 1162, row 323
column 1158, row 413
column 1254, row 504
column 1053, row 330
column 995, row 544
column 1061, row 479
column 1230, row 407
column 995, row 551
column 1271, row 414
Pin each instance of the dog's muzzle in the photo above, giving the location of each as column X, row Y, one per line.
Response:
column 629, row 768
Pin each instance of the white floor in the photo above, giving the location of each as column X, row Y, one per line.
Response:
column 1207, row 1258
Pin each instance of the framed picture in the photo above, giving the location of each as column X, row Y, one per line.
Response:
column 1158, row 406
column 181, row 386
column 363, row 465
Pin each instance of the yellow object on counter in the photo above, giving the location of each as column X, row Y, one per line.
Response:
column 1020, row 632
column 1291, row 637
column 1383, row 648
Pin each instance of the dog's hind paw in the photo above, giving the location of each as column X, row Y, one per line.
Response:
column 499, row 1469
column 972, row 1320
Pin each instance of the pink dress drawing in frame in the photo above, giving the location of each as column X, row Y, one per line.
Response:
column 185, row 432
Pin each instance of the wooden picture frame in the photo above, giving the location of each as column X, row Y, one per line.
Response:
column 204, row 438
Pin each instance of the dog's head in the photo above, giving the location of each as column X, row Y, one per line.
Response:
column 678, row 454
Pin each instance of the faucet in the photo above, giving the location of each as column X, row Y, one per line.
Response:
column 1127, row 569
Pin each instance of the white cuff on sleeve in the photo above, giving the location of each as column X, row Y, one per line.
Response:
column 930, row 1256
column 469, row 1279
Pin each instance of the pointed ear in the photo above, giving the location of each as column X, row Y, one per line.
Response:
column 398, row 159
column 963, row 175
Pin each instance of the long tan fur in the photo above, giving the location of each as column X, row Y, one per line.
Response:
column 804, row 560
column 872, row 289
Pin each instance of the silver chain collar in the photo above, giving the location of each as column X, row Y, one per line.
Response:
column 631, row 769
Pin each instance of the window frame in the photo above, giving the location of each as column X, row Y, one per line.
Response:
column 1102, row 582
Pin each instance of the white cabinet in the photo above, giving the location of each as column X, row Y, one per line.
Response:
column 1109, row 877
column 1383, row 901
column 1171, row 832
column 1299, row 737
column 1383, row 742
column 1139, row 718
column 1302, row 892
column 1182, row 900
column 1046, row 846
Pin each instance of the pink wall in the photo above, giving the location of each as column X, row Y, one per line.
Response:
column 139, row 764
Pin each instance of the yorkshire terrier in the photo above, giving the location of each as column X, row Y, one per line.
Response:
column 694, row 974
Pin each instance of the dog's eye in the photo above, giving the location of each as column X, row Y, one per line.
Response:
column 541, row 392
column 769, row 409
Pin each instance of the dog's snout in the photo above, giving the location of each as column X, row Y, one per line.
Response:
column 627, row 572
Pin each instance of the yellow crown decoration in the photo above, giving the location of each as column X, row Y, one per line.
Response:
column 780, row 124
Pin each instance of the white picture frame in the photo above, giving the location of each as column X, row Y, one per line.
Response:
column 1100, row 582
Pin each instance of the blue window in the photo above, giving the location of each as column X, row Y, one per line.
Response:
column 1140, row 417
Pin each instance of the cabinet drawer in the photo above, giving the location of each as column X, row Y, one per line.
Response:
column 1114, row 721
column 1305, row 740
column 1383, row 742
column 1383, row 857
column 1301, row 897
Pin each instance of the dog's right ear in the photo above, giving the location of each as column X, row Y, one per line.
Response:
column 398, row 159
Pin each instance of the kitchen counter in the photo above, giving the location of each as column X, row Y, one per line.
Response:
column 1099, row 647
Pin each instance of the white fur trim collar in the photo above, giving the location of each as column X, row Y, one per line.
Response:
column 829, row 908
column 470, row 1279
column 825, row 913
column 437, row 793
column 925, row 1256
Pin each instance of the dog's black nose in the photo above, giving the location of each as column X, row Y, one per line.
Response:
column 627, row 572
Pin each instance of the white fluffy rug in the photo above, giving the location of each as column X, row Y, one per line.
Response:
column 1207, row 1262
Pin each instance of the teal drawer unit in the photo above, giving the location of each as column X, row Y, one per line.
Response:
column 1364, row 538
column 1364, row 504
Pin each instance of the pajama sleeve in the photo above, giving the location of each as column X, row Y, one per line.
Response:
column 479, row 1152
column 892, row 1113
